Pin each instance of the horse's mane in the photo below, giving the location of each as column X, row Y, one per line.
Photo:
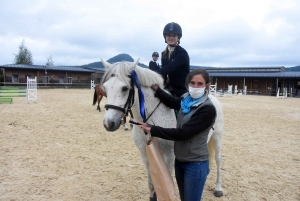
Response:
column 123, row 69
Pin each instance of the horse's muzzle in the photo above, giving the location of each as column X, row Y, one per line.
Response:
column 111, row 125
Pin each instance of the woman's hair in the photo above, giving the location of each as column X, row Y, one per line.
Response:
column 199, row 71
column 165, row 53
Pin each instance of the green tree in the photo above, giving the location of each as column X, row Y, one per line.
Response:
column 24, row 56
column 49, row 61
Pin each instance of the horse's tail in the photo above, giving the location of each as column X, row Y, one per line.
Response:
column 95, row 97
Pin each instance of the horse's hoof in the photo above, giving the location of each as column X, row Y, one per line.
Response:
column 218, row 194
column 154, row 197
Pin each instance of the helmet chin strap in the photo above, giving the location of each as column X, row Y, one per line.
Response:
column 178, row 42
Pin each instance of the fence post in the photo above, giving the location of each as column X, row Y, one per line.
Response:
column 92, row 85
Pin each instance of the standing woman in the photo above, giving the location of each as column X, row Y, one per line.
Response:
column 195, row 119
column 175, row 60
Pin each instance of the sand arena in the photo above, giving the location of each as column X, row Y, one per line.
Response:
column 58, row 149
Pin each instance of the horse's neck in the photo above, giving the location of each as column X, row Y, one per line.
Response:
column 151, row 103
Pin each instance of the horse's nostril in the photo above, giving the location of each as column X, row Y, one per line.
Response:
column 112, row 124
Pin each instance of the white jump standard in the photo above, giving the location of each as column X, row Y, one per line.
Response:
column 31, row 92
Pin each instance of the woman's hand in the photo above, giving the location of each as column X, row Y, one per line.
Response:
column 154, row 87
column 145, row 127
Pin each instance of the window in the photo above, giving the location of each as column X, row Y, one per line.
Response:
column 69, row 80
column 45, row 79
column 78, row 79
column 15, row 78
column 61, row 79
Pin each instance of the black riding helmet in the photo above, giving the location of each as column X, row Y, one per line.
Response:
column 155, row 54
column 172, row 28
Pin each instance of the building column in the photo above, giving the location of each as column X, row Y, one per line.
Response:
column 3, row 69
column 66, row 84
column 267, row 86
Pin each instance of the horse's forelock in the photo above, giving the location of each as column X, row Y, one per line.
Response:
column 108, row 73
column 123, row 72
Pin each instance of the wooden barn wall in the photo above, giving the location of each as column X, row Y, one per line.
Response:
column 77, row 77
column 97, row 77
column 264, row 86
column 21, row 74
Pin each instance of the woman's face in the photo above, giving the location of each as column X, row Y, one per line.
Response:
column 197, row 81
column 154, row 58
column 172, row 39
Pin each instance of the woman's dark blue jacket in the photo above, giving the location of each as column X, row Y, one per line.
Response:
column 177, row 68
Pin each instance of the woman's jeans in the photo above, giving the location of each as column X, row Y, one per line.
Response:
column 191, row 177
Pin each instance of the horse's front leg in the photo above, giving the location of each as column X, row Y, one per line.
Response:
column 99, row 100
column 152, row 194
column 140, row 141
column 124, row 123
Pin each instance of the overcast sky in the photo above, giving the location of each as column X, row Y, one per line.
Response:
column 217, row 33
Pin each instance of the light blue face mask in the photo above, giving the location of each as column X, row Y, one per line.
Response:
column 196, row 92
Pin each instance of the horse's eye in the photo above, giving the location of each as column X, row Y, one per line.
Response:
column 124, row 89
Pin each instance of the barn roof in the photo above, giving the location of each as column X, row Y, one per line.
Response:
column 257, row 74
column 238, row 69
column 263, row 72
column 97, row 69
column 48, row 68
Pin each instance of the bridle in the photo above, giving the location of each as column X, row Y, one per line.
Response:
column 130, row 99
column 129, row 102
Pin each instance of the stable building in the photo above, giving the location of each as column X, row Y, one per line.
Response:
column 257, row 80
column 47, row 76
column 98, row 74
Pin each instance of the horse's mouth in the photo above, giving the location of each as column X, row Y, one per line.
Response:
column 111, row 126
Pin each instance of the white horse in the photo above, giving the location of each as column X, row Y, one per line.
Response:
column 123, row 94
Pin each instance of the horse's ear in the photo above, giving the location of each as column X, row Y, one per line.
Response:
column 105, row 64
column 136, row 63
